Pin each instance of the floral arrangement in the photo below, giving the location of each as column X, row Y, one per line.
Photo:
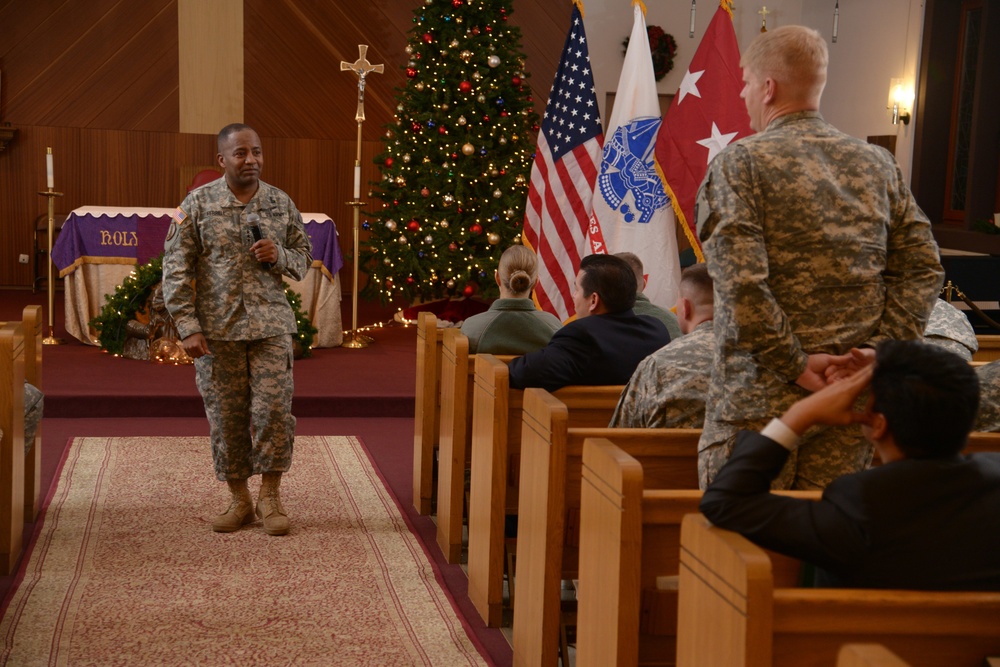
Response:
column 663, row 48
column 130, row 297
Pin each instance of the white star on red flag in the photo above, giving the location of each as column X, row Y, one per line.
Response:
column 711, row 117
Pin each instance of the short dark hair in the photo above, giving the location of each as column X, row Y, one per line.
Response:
column 230, row 130
column 613, row 280
column 696, row 284
column 928, row 395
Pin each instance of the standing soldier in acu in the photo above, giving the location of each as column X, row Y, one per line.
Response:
column 228, row 246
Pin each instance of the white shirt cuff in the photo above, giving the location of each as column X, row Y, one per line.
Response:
column 778, row 431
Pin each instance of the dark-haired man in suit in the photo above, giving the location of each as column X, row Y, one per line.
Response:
column 606, row 341
column 928, row 518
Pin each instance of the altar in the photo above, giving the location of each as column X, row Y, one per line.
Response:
column 99, row 246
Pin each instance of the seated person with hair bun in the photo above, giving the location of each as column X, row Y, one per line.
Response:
column 512, row 325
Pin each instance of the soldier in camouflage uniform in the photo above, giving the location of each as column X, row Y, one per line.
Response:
column 988, row 418
column 235, row 321
column 667, row 389
column 948, row 327
column 643, row 306
column 816, row 245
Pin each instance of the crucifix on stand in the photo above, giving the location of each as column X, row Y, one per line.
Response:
column 763, row 17
column 362, row 68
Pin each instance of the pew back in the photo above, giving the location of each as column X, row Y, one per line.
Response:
column 551, row 464
column 735, row 610
column 989, row 348
column 31, row 324
column 427, row 406
column 12, row 353
column 868, row 655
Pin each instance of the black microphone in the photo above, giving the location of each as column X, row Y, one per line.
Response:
column 253, row 219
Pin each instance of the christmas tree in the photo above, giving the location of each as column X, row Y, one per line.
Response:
column 456, row 162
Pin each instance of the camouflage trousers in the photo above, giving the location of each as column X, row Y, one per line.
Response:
column 824, row 454
column 247, row 390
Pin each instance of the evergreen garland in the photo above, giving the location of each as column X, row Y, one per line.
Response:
column 131, row 296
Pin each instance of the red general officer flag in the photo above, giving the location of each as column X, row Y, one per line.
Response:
column 706, row 115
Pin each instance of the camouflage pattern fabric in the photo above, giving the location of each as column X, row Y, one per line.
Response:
column 34, row 404
column 948, row 327
column 211, row 281
column 989, row 397
column 224, row 380
column 667, row 389
column 816, row 245
column 212, row 284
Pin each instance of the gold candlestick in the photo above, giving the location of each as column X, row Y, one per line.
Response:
column 362, row 68
column 51, row 339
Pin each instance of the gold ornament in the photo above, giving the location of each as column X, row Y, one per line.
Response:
column 454, row 44
column 386, row 261
column 464, row 55
column 494, row 173
column 468, row 149
column 503, row 141
column 497, row 194
column 402, row 240
column 419, row 85
column 400, row 180
column 409, row 48
column 450, row 284
column 406, row 158
column 477, row 76
column 493, row 238
column 481, row 98
column 448, row 200
column 462, row 120
column 519, row 180
column 444, row 224
column 390, row 225
column 428, row 239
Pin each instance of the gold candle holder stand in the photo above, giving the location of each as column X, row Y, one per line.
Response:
column 51, row 338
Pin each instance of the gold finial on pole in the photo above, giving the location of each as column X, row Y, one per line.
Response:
column 51, row 194
column 763, row 17
column 362, row 68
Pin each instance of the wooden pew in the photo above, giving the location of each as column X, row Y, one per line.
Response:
column 868, row 655
column 12, row 457
column 739, row 606
column 989, row 348
column 629, row 560
column 454, row 453
column 496, row 446
column 31, row 324
column 548, row 543
column 427, row 408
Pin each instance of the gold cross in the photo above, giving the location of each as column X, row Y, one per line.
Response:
column 763, row 17
column 362, row 68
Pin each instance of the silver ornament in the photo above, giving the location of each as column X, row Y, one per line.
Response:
column 390, row 225
column 493, row 61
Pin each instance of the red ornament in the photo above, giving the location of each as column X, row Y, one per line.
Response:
column 410, row 280
column 428, row 38
column 469, row 290
column 503, row 114
column 388, row 282
column 411, row 72
column 516, row 80
column 489, row 28
column 475, row 31
column 453, row 246
column 456, row 3
column 388, row 162
column 486, row 119
column 476, row 229
column 395, row 202
column 465, row 86
column 416, row 126
column 413, row 226
column 442, row 129
column 425, row 192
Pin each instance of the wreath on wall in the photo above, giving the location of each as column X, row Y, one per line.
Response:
column 132, row 295
column 663, row 48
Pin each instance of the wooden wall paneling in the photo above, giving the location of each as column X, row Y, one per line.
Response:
column 544, row 26
column 211, row 69
column 87, row 57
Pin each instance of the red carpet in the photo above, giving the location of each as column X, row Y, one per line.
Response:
column 366, row 393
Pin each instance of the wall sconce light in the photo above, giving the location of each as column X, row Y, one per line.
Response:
column 900, row 101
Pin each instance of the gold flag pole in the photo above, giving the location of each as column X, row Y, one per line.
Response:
column 51, row 194
column 362, row 68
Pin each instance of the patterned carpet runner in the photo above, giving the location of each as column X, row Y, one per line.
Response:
column 127, row 571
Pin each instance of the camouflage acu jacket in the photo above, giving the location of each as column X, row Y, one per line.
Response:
column 815, row 244
column 211, row 281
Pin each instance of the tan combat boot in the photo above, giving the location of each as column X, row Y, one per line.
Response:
column 269, row 505
column 240, row 510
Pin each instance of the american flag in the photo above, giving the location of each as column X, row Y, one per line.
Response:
column 560, row 198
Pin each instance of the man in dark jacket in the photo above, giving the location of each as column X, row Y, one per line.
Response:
column 605, row 343
column 928, row 518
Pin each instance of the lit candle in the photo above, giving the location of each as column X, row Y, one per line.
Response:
column 357, row 182
column 50, row 181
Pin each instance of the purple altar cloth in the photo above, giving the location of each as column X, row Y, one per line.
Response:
column 106, row 235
